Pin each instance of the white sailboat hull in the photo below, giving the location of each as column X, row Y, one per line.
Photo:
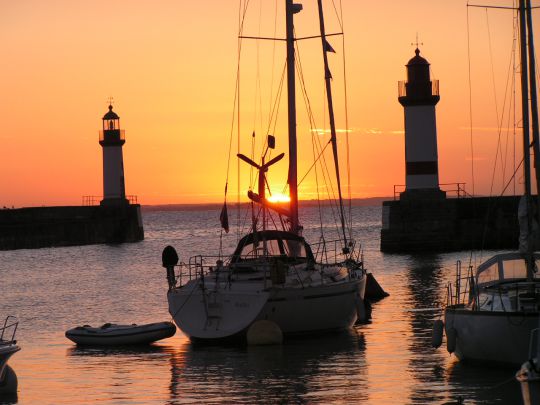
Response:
column 489, row 336
column 228, row 312
column 312, row 309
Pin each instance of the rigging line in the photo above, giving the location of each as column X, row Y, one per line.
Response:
column 499, row 123
column 236, row 88
column 470, row 101
column 326, row 175
column 516, row 25
column 316, row 159
column 242, row 17
column 278, row 98
column 470, row 116
column 251, row 168
column 512, row 177
column 328, row 87
column 533, row 100
column 312, row 120
column 511, row 68
column 257, row 92
column 275, row 109
column 339, row 15
column 314, row 150
column 346, row 118
column 273, row 68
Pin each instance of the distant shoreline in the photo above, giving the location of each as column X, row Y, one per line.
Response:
column 356, row 202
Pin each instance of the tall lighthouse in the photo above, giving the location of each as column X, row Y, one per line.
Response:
column 419, row 95
column 111, row 138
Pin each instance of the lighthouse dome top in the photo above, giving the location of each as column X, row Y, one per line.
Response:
column 111, row 115
column 417, row 59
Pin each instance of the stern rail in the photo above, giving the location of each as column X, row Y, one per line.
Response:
column 7, row 328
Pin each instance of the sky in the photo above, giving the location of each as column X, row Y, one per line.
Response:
column 171, row 66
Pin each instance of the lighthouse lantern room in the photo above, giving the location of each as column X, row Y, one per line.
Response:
column 111, row 138
column 419, row 95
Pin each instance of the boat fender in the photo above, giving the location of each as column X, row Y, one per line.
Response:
column 437, row 333
column 451, row 336
column 264, row 332
column 169, row 258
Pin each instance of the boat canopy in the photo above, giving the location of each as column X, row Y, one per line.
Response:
column 504, row 267
column 273, row 243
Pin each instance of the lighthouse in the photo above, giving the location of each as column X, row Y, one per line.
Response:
column 112, row 138
column 418, row 95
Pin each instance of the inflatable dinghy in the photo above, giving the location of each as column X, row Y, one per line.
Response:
column 112, row 334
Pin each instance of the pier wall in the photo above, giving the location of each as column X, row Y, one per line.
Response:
column 28, row 228
column 451, row 224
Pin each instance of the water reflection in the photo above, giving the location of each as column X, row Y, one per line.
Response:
column 426, row 364
column 102, row 351
column 118, row 374
column 483, row 385
column 299, row 371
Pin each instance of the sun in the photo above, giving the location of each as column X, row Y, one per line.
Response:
column 279, row 198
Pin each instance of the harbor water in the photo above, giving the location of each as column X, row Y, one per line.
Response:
column 387, row 361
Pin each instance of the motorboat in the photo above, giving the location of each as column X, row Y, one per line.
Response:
column 274, row 274
column 111, row 334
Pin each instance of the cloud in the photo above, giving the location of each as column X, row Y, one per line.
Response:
column 321, row 131
column 361, row 131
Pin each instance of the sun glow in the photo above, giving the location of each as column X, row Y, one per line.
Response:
column 279, row 198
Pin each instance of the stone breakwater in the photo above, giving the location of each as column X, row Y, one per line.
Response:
column 36, row 227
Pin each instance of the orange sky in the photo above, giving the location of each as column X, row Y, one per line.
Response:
column 171, row 66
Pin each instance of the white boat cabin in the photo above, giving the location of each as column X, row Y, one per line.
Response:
column 502, row 284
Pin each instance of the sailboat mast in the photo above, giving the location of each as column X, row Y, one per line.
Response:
column 526, row 142
column 290, row 10
column 327, row 80
column 534, row 103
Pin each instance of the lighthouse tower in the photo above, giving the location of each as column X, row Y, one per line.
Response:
column 419, row 95
column 111, row 138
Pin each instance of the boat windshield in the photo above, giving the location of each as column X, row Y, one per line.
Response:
column 287, row 248
column 504, row 267
column 272, row 245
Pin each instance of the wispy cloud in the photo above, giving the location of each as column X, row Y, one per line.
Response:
column 321, row 131
column 361, row 131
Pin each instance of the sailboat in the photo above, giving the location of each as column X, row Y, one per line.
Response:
column 492, row 311
column 273, row 275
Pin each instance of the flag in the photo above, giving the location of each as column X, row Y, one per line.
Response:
column 328, row 47
column 224, row 218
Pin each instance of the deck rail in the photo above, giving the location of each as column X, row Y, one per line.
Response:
column 456, row 190
column 10, row 326
column 92, row 200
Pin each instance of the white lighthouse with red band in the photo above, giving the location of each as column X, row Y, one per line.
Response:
column 419, row 95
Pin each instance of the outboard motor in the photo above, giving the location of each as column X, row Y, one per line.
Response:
column 169, row 257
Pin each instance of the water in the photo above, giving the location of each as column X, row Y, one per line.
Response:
column 388, row 361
